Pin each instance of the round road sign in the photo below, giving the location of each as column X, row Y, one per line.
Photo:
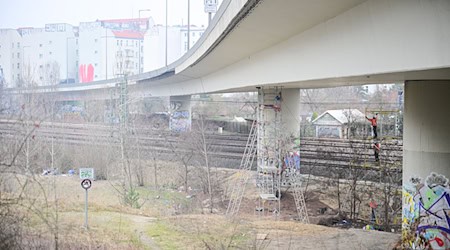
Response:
column 86, row 183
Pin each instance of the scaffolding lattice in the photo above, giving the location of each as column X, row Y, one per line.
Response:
column 238, row 187
column 266, row 140
column 269, row 149
column 299, row 199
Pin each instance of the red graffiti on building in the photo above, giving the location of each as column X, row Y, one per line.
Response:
column 86, row 73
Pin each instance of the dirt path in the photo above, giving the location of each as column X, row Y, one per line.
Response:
column 140, row 223
column 340, row 239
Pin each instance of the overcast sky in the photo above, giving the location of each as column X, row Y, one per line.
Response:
column 36, row 13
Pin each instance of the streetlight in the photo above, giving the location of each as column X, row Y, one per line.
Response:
column 140, row 44
column 106, row 52
column 189, row 25
column 166, row 31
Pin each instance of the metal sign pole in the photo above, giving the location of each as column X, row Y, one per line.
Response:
column 86, row 184
column 86, row 211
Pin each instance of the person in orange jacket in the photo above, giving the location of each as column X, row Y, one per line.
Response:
column 374, row 124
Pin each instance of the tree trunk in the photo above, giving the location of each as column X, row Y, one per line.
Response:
column 155, row 172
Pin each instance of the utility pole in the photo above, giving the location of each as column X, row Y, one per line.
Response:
column 140, row 41
column 106, row 51
column 189, row 25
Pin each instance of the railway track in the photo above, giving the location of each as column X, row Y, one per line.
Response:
column 318, row 155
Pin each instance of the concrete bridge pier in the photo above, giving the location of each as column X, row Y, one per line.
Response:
column 426, row 150
column 426, row 129
column 180, row 113
column 290, row 110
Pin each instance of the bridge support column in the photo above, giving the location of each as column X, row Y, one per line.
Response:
column 426, row 150
column 180, row 113
column 426, row 129
column 290, row 110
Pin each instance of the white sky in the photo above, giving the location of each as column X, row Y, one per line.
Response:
column 37, row 13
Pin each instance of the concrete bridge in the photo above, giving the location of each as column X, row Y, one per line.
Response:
column 313, row 44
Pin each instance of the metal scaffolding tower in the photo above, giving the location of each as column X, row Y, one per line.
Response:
column 271, row 144
column 266, row 139
column 269, row 161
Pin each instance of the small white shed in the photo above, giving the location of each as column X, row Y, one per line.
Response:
column 339, row 123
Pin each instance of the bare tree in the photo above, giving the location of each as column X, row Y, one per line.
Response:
column 183, row 151
column 204, row 147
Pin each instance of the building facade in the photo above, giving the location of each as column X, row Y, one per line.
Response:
column 39, row 56
column 92, row 51
column 112, row 48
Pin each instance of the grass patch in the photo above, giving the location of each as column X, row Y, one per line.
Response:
column 199, row 231
column 165, row 236
column 163, row 201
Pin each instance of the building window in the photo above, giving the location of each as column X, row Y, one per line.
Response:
column 50, row 53
column 40, row 45
column 49, row 42
column 95, row 64
column 185, row 34
column 41, row 78
column 41, row 66
column 185, row 46
column 12, row 45
column 117, row 42
column 193, row 34
column 142, row 48
column 96, row 52
column 96, row 76
column 77, row 52
column 95, row 40
column 201, row 33
column 18, row 55
column 18, row 45
column 18, row 65
column 18, row 76
column 76, row 41
column 40, row 56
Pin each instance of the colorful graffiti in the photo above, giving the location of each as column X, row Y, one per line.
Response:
column 86, row 73
column 292, row 161
column 426, row 213
column 180, row 121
